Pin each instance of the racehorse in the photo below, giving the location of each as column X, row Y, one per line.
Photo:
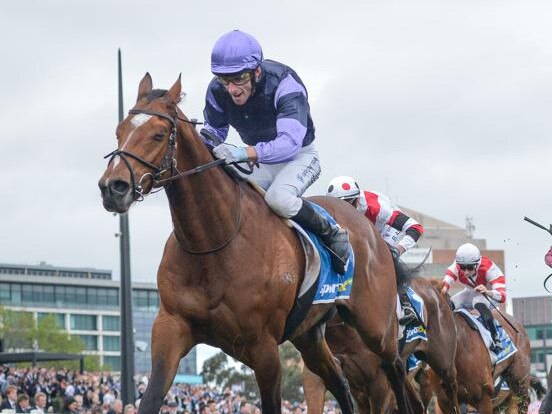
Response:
column 475, row 373
column 507, row 401
column 231, row 269
column 361, row 366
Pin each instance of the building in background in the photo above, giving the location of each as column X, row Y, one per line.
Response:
column 535, row 313
column 85, row 303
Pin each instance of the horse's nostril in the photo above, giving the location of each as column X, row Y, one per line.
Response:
column 119, row 187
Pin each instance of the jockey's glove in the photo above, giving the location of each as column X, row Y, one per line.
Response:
column 230, row 153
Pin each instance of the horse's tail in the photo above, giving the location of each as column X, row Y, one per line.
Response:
column 405, row 273
column 537, row 386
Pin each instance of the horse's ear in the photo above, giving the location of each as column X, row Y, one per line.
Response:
column 145, row 87
column 174, row 92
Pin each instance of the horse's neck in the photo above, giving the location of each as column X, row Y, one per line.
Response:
column 204, row 206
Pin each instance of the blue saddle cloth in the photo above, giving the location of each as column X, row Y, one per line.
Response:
column 507, row 347
column 415, row 330
column 412, row 363
column 331, row 285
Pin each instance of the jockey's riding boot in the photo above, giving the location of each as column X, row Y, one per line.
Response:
column 487, row 316
column 409, row 315
column 334, row 237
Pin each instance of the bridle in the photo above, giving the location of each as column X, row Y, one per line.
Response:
column 168, row 164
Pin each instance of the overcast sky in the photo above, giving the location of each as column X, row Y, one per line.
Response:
column 443, row 105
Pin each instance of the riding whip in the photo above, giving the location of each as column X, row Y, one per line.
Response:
column 533, row 222
column 494, row 306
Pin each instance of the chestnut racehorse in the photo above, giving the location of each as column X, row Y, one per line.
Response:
column 231, row 269
column 361, row 366
column 476, row 376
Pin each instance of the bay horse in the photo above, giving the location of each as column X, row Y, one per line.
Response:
column 508, row 402
column 362, row 367
column 231, row 269
column 475, row 373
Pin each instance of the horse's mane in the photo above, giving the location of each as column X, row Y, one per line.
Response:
column 436, row 283
column 404, row 273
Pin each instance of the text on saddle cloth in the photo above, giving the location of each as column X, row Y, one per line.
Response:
column 414, row 331
column 331, row 285
column 506, row 348
column 321, row 283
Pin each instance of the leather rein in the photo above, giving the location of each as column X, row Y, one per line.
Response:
column 168, row 164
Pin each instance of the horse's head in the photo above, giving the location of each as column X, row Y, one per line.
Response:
column 146, row 142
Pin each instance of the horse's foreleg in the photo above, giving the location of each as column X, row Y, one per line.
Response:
column 449, row 385
column 318, row 358
column 485, row 405
column 171, row 340
column 315, row 391
column 264, row 359
column 381, row 338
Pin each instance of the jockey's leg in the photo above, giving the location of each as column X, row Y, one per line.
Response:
column 289, row 181
column 487, row 316
column 463, row 299
column 409, row 315
column 333, row 236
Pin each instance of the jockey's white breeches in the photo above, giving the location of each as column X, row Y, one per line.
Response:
column 286, row 182
column 468, row 297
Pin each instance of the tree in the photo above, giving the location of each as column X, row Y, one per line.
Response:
column 218, row 370
column 20, row 331
column 215, row 369
column 17, row 329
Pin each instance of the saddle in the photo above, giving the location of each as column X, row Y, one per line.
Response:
column 497, row 355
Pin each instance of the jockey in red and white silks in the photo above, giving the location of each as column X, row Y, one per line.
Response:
column 397, row 229
column 485, row 283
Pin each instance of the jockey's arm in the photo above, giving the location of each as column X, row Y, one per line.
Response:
column 410, row 228
column 496, row 283
column 450, row 277
column 292, row 110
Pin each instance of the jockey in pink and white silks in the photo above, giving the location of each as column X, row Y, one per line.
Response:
column 399, row 231
column 267, row 104
column 485, row 283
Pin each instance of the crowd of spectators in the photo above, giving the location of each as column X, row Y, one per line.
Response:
column 42, row 390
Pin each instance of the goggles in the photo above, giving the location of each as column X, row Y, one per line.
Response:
column 239, row 79
column 468, row 267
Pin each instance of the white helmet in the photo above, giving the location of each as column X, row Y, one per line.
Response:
column 343, row 187
column 468, row 254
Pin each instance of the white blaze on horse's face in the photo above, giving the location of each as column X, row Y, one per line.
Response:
column 137, row 121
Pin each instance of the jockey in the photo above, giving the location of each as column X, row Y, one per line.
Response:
column 548, row 257
column 485, row 284
column 399, row 231
column 266, row 102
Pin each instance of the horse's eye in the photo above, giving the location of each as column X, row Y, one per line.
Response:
column 158, row 137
